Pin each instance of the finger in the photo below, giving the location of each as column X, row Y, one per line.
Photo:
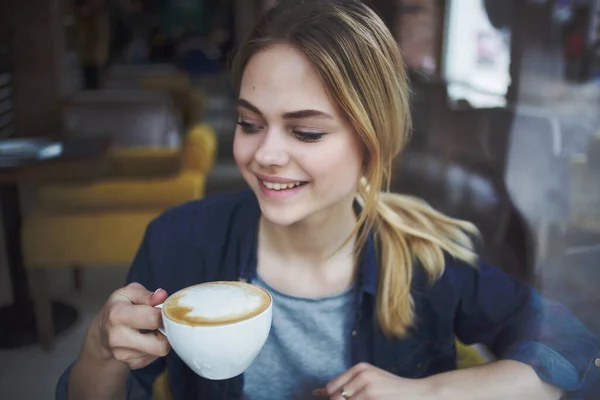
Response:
column 158, row 297
column 138, row 294
column 336, row 384
column 357, row 384
column 134, row 359
column 137, row 317
column 153, row 343
column 322, row 393
column 362, row 394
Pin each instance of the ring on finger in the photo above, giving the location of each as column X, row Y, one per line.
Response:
column 345, row 394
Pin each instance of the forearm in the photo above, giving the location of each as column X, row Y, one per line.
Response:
column 505, row 379
column 95, row 376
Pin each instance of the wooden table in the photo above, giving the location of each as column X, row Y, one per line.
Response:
column 80, row 159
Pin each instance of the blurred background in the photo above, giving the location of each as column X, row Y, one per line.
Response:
column 112, row 111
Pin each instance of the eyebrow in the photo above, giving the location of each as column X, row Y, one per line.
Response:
column 300, row 114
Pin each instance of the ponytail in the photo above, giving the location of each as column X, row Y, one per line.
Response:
column 409, row 230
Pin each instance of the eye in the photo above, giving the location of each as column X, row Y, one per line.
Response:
column 309, row 137
column 248, row 127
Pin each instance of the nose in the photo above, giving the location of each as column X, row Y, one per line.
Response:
column 272, row 151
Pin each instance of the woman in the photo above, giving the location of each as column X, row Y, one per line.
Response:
column 370, row 288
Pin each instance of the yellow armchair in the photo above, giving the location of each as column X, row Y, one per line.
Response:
column 102, row 222
column 467, row 356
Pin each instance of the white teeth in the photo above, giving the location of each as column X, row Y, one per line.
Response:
column 280, row 186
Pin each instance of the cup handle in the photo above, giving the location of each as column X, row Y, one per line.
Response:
column 161, row 330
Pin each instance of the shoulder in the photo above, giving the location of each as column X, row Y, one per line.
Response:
column 480, row 279
column 215, row 208
column 456, row 277
column 473, row 286
column 211, row 214
column 454, row 272
column 198, row 241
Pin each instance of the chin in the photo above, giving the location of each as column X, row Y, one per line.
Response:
column 281, row 215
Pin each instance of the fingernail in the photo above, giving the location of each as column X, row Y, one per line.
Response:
column 156, row 291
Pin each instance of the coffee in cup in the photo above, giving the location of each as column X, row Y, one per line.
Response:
column 218, row 328
column 216, row 303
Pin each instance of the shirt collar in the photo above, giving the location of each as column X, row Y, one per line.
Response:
column 367, row 260
column 367, row 266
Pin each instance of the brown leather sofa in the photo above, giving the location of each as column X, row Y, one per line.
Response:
column 470, row 192
column 456, row 161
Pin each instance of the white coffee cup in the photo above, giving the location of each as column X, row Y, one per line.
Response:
column 225, row 326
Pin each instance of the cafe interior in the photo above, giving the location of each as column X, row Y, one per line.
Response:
column 97, row 139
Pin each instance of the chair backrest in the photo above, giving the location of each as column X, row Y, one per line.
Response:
column 133, row 118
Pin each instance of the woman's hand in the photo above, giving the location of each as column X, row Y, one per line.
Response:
column 366, row 382
column 116, row 331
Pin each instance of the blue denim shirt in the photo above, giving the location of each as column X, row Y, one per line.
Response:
column 216, row 239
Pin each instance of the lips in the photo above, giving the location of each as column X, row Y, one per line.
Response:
column 278, row 187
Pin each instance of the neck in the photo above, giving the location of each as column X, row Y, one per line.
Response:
column 317, row 238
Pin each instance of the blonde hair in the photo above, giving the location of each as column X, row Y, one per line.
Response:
column 361, row 66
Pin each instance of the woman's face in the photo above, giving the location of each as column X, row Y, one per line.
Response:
column 296, row 150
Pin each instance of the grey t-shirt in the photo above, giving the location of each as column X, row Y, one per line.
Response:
column 309, row 344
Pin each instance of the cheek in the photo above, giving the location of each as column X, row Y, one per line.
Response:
column 339, row 166
column 355, row 159
column 243, row 150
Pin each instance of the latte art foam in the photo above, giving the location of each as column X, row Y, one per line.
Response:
column 217, row 303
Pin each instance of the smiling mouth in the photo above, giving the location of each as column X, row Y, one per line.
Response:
column 282, row 186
